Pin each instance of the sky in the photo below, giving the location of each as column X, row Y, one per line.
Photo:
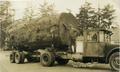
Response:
column 60, row 5
column 63, row 6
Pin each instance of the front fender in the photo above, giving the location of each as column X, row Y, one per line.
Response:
column 116, row 49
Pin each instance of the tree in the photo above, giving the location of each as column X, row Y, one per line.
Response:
column 28, row 14
column 106, row 17
column 86, row 16
column 95, row 18
column 47, row 9
column 5, row 19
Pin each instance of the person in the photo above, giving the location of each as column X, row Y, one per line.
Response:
column 94, row 37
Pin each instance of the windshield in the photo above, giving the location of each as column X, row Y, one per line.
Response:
column 107, row 38
column 92, row 36
column 101, row 36
column 98, row 36
column 104, row 37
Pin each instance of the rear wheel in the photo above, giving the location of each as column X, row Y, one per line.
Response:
column 19, row 57
column 47, row 59
column 115, row 61
column 12, row 57
column 62, row 61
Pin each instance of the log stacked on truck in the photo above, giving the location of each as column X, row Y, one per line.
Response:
column 58, row 31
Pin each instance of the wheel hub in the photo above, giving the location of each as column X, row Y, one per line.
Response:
column 17, row 57
column 45, row 58
column 117, row 60
column 11, row 57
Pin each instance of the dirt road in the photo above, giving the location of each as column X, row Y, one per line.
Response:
column 6, row 66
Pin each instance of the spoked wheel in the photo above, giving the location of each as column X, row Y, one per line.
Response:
column 115, row 61
column 19, row 57
column 12, row 57
column 62, row 61
column 47, row 59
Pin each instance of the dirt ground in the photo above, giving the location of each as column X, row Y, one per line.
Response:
column 6, row 66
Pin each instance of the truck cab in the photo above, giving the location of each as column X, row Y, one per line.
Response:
column 95, row 46
column 94, row 42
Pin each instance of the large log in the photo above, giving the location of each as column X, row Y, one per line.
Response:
column 58, row 31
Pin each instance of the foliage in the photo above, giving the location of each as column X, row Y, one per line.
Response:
column 44, row 10
column 95, row 18
column 28, row 14
column 5, row 19
column 47, row 9
column 5, row 13
column 106, row 16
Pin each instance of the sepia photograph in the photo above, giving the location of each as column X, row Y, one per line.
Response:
column 59, row 35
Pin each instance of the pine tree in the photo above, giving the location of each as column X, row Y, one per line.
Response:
column 47, row 9
column 95, row 18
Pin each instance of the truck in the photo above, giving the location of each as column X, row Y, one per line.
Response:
column 62, row 41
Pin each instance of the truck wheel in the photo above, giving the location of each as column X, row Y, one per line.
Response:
column 47, row 59
column 19, row 57
column 115, row 61
column 62, row 61
column 22, row 57
column 12, row 58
